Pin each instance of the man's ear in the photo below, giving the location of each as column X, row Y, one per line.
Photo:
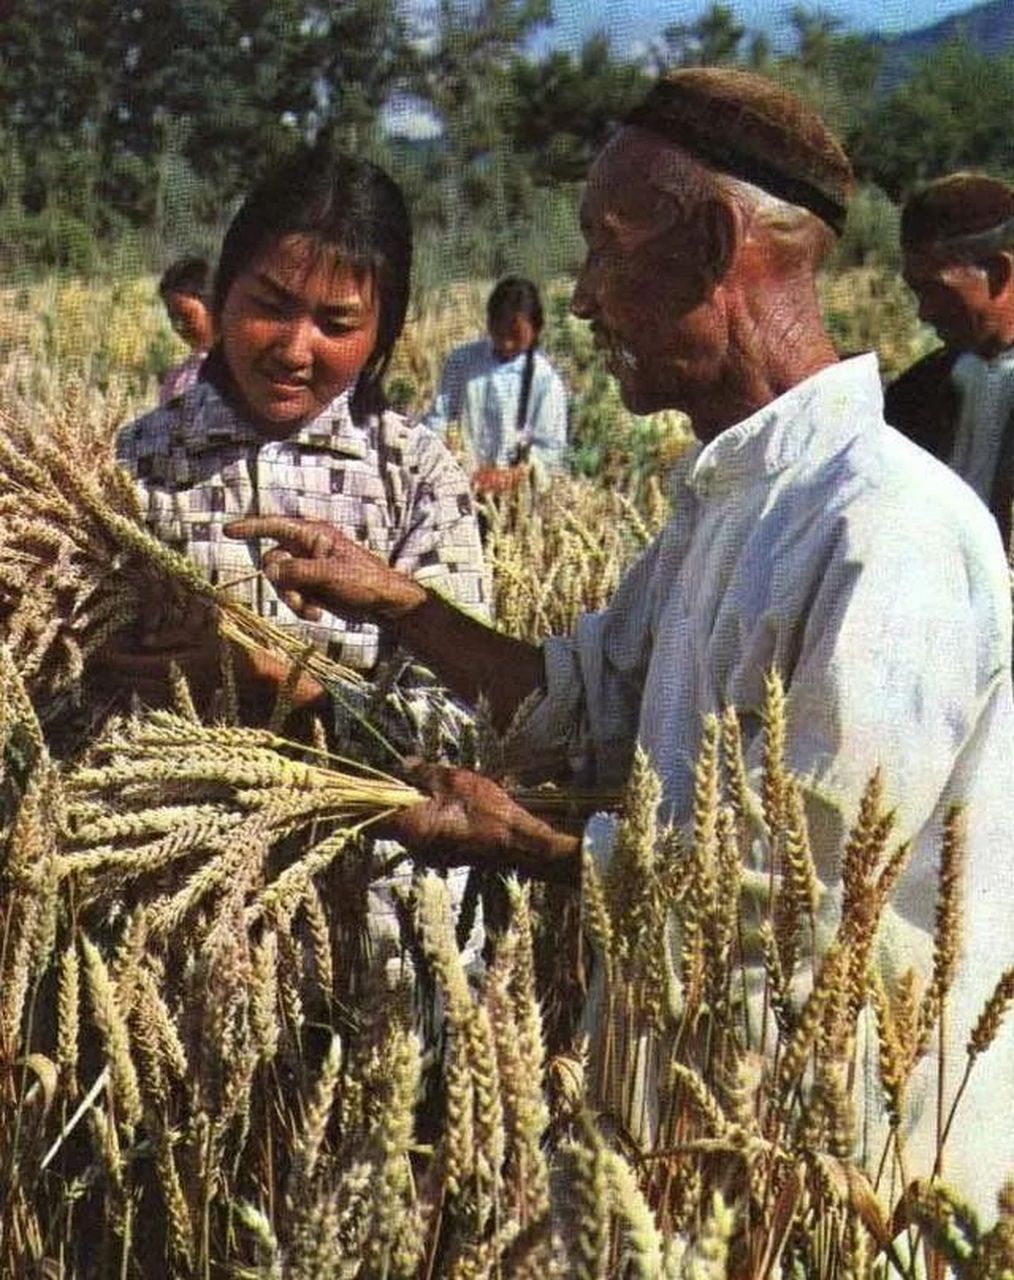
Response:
column 721, row 234
column 1000, row 274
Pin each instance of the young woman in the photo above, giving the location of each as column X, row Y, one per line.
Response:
column 508, row 399
column 288, row 417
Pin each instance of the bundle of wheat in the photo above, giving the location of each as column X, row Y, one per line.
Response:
column 76, row 565
column 160, row 792
column 189, row 1054
column 725, row 1056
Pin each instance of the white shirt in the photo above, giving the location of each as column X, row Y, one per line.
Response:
column 815, row 539
column 483, row 393
column 987, row 403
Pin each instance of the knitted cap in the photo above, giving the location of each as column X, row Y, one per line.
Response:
column 959, row 210
column 750, row 128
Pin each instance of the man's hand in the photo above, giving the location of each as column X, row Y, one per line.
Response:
column 315, row 566
column 470, row 820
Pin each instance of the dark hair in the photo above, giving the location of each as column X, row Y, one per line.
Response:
column 515, row 296
column 189, row 275
column 341, row 202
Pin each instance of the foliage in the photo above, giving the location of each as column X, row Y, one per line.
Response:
column 145, row 118
column 562, row 109
column 872, row 233
column 948, row 114
column 116, row 103
column 868, row 309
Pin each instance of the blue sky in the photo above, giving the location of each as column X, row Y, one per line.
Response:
column 629, row 22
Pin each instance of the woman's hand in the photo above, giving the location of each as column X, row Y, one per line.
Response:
column 141, row 666
column 315, row 566
column 470, row 820
column 194, row 647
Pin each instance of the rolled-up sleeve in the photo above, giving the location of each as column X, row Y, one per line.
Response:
column 595, row 680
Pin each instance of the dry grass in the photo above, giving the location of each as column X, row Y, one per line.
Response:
column 199, row 1070
column 561, row 552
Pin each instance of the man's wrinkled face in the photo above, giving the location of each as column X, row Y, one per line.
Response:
column 645, row 284
column 954, row 297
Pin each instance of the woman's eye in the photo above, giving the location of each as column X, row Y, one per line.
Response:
column 335, row 328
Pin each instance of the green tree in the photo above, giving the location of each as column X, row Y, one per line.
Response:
column 834, row 70
column 114, row 99
column 714, row 39
column 473, row 190
column 562, row 109
column 952, row 112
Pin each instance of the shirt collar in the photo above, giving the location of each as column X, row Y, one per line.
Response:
column 210, row 420
column 970, row 368
column 815, row 418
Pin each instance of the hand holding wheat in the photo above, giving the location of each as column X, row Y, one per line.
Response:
column 469, row 819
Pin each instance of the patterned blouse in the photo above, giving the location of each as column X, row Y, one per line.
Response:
column 391, row 486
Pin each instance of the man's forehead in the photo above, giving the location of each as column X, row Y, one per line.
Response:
column 624, row 180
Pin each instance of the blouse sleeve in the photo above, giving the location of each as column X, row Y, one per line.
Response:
column 440, row 545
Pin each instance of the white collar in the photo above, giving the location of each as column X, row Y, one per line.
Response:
column 815, row 417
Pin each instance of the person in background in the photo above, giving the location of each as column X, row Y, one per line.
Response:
column 184, row 292
column 957, row 238
column 510, row 402
column 807, row 536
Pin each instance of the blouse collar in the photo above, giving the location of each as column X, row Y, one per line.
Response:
column 211, row 418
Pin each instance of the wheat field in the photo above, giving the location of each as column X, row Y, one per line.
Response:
column 209, row 1067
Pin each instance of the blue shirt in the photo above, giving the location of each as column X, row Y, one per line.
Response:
column 482, row 393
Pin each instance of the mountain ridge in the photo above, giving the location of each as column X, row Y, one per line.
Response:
column 988, row 27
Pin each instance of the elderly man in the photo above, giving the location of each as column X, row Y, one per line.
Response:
column 957, row 237
column 807, row 536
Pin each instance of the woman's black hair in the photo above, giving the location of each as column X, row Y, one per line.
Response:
column 339, row 201
column 515, row 296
